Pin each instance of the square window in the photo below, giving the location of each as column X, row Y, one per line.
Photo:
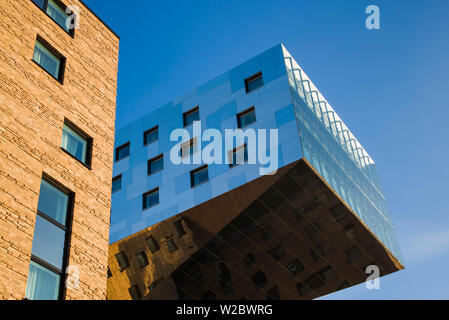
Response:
column 199, row 176
column 249, row 260
column 49, row 60
column 190, row 116
column 246, row 118
column 238, row 156
column 152, row 243
column 254, row 82
column 76, row 143
column 295, row 267
column 273, row 294
column 117, row 184
column 259, row 279
column 179, row 228
column 278, row 252
column 56, row 10
column 135, row 293
column 303, row 289
column 313, row 230
column 151, row 136
column 171, row 246
column 317, row 253
column 151, row 199
column 122, row 261
column 122, row 152
column 155, row 164
column 188, row 148
column 142, row 259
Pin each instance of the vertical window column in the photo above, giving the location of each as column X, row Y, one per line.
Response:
column 49, row 250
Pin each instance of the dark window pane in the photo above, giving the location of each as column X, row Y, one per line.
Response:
column 74, row 144
column 199, row 176
column 53, row 202
column 155, row 165
column 42, row 284
column 259, row 279
column 40, row 3
column 142, row 259
column 122, row 261
column 109, row 273
column 239, row 156
column 150, row 199
column 152, row 243
column 171, row 246
column 179, row 228
column 253, row 83
column 277, row 253
column 135, row 293
column 246, row 118
column 122, row 152
column 273, row 294
column 191, row 116
column 117, row 184
column 48, row 242
column 47, row 60
column 151, row 136
column 295, row 267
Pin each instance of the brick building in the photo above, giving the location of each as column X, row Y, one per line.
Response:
column 57, row 117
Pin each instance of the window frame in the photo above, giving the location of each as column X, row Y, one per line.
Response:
column 68, row 235
column 55, row 52
column 147, row 194
column 116, row 159
column 159, row 157
column 187, row 113
column 145, row 143
column 243, row 113
column 234, row 151
column 192, row 175
column 114, row 179
column 61, row 5
column 252, row 78
column 89, row 143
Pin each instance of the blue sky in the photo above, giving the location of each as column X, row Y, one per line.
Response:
column 390, row 86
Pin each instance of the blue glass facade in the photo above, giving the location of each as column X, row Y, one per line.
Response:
column 307, row 128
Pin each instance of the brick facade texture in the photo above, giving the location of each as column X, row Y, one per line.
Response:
column 33, row 106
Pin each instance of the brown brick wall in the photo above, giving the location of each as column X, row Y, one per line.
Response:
column 33, row 106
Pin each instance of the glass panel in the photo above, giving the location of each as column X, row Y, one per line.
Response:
column 255, row 83
column 200, row 176
column 40, row 3
column 48, row 242
column 122, row 152
column 151, row 136
column 57, row 14
column 151, row 199
column 117, row 184
column 42, row 284
column 46, row 59
column 191, row 117
column 156, row 165
column 239, row 156
column 53, row 202
column 74, row 144
column 247, row 118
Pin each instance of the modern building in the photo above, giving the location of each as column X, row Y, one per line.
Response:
column 224, row 231
column 57, row 117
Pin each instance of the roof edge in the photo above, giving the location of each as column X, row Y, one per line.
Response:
column 101, row 20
